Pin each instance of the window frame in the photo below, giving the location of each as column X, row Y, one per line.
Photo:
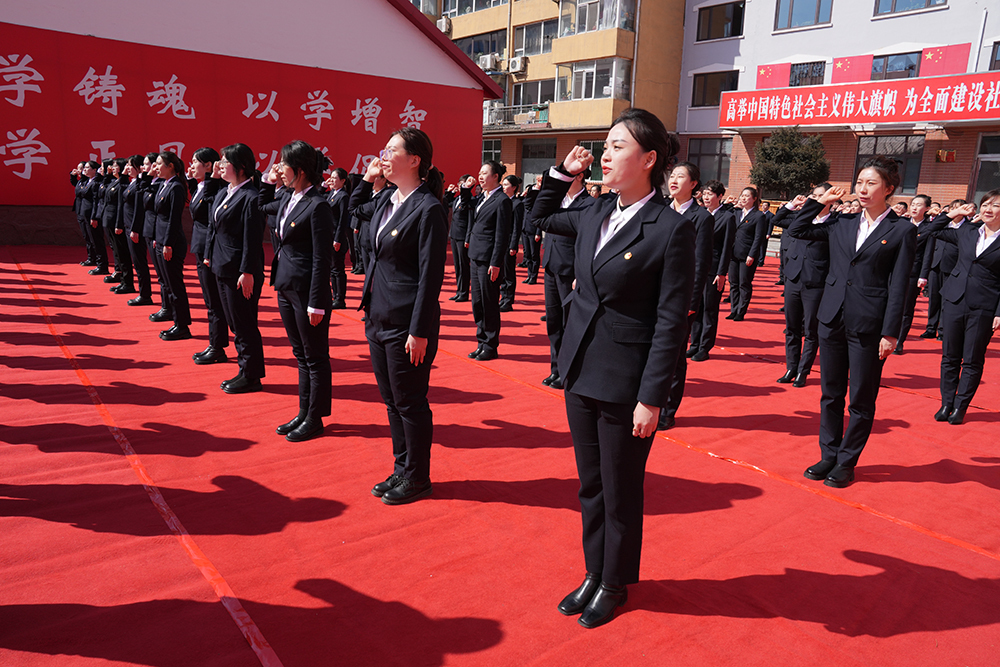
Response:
column 707, row 11
column 522, row 30
column 494, row 151
column 928, row 4
column 620, row 72
column 497, row 36
column 995, row 59
column 724, row 156
column 734, row 73
column 818, row 16
column 821, row 76
column 908, row 160
column 622, row 17
column 517, row 93
column 916, row 55
column 596, row 148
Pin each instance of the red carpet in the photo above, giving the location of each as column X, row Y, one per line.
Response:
column 244, row 549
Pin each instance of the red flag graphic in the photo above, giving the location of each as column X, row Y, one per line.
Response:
column 944, row 60
column 855, row 68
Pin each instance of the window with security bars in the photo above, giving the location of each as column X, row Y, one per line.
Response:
column 491, row 150
column 712, row 157
column 906, row 150
column 807, row 74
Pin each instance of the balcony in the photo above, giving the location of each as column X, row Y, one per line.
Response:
column 525, row 116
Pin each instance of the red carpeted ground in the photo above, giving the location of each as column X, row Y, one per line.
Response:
column 244, row 549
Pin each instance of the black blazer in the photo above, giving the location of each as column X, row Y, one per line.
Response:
column 131, row 214
column 168, row 204
column 724, row 234
column 149, row 189
column 78, row 183
column 938, row 255
column 489, row 227
column 341, row 219
column 235, row 235
column 111, row 214
column 201, row 206
column 558, row 253
column 461, row 214
column 403, row 279
column 362, row 211
column 869, row 285
column 704, row 228
column 923, row 236
column 627, row 322
column 102, row 186
column 807, row 262
column 88, row 192
column 517, row 223
column 303, row 254
column 751, row 232
column 974, row 279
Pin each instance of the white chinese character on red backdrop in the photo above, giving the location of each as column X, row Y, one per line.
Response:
column 751, row 109
column 171, row 96
column 821, row 111
column 318, row 106
column 889, row 103
column 270, row 161
column 993, row 97
column 176, row 147
column 976, row 96
column 941, row 99
column 253, row 104
column 786, row 107
column 369, row 112
column 862, row 104
column 361, row 163
column 875, row 108
column 25, row 148
column 105, row 87
column 15, row 72
column 911, row 102
column 835, row 106
column 412, row 116
column 810, row 106
column 926, row 99
column 731, row 109
column 741, row 110
column 797, row 107
column 958, row 98
column 105, row 150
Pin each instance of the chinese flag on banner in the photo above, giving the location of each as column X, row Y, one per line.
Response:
column 773, row 76
column 944, row 60
column 849, row 70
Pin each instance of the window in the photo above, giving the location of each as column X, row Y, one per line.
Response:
column 595, row 80
column 491, row 150
column 455, row 8
column 712, row 158
column 893, row 6
column 995, row 59
column 534, row 92
column 708, row 88
column 807, row 74
column 530, row 40
column 491, row 42
column 907, row 150
column 426, row 6
column 899, row 66
column 721, row 21
column 537, row 155
column 987, row 167
column 596, row 148
column 577, row 16
column 799, row 13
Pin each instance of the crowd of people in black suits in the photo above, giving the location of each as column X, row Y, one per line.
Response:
column 635, row 270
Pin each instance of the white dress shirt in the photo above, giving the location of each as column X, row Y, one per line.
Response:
column 295, row 199
column 985, row 241
column 865, row 230
column 395, row 201
column 618, row 219
column 230, row 191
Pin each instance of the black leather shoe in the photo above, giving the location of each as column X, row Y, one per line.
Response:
column 899, row 349
column 542, row 318
column 488, row 354
column 338, row 305
column 452, row 298
column 390, row 483
column 928, row 334
column 88, row 262
column 943, row 414
column 242, row 385
column 731, row 316
column 547, row 381
column 113, row 278
column 727, row 300
column 123, row 289
column 556, row 384
column 820, row 470
column 737, row 318
column 957, row 417
column 211, row 355
column 406, row 492
column 290, row 426
column 665, row 422
column 162, row 315
column 577, row 601
column 306, row 430
column 602, row 606
column 690, row 352
column 475, row 353
column 531, row 281
column 176, row 333
column 231, row 380
column 462, row 298
column 840, row 477
column 700, row 356
column 506, row 307
column 99, row 271
column 140, row 301
column 800, row 380
column 787, row 377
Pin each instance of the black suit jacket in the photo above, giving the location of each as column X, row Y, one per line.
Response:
column 704, row 227
column 627, row 322
column 461, row 214
column 869, row 285
column 807, row 262
column 168, row 203
column 235, row 238
column 78, row 183
column 724, row 234
column 517, row 223
column 341, row 220
column 88, row 198
column 751, row 232
column 939, row 255
column 403, row 280
column 489, row 228
column 131, row 214
column 201, row 206
column 976, row 280
column 304, row 252
column 111, row 215
column 923, row 236
column 558, row 253
column 149, row 189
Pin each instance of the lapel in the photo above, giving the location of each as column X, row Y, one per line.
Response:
column 883, row 228
column 486, row 210
column 400, row 217
column 628, row 234
column 296, row 214
column 974, row 238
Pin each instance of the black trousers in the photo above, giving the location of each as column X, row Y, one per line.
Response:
column 967, row 334
column 123, row 257
column 241, row 315
column 532, row 252
column 173, row 278
column 100, row 247
column 87, row 238
column 508, row 278
column 611, row 464
column 311, row 347
column 463, row 273
column 557, row 289
column 847, row 358
column 706, row 328
column 141, row 264
column 740, row 286
column 485, row 305
column 338, row 273
column 218, row 321
column 359, row 258
column 676, row 393
column 934, row 300
column 403, row 387
column 801, row 325
column 161, row 279
column 909, row 307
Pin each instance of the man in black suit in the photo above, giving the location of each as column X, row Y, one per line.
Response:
column 706, row 325
column 488, row 239
column 939, row 261
column 558, row 257
column 918, row 209
column 508, row 278
column 765, row 208
column 461, row 212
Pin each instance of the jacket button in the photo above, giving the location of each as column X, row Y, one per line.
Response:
column 848, row 283
column 853, row 263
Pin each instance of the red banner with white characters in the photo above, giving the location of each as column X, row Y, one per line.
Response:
column 928, row 100
column 66, row 98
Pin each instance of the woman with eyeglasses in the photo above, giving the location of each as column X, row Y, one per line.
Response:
column 300, row 273
column 170, row 244
column 407, row 235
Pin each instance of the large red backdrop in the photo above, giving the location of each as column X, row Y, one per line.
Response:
column 66, row 98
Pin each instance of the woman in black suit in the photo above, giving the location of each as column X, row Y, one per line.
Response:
column 407, row 237
column 751, row 233
column 170, row 244
column 79, row 183
column 235, row 255
column 338, row 196
column 204, row 186
column 861, row 310
column 133, row 215
column 300, row 273
column 508, row 285
column 89, row 202
column 113, row 223
column 970, row 304
column 626, row 328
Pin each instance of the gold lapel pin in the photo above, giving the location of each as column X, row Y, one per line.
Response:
column 884, row 241
column 628, row 255
column 293, row 224
column 225, row 206
column 394, row 232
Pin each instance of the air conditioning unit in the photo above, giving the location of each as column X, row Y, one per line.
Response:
column 444, row 25
column 488, row 61
column 518, row 64
column 490, row 111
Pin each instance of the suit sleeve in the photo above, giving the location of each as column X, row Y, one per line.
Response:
column 501, row 238
column 803, row 227
column 433, row 234
column 703, row 256
column 925, row 269
column 341, row 220
column 759, row 235
column 253, row 238
column 322, row 248
column 726, row 255
column 175, row 235
column 546, row 214
column 516, row 226
column 783, row 218
column 266, row 202
column 899, row 282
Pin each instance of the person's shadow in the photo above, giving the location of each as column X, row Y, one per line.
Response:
column 347, row 629
column 153, row 438
column 944, row 471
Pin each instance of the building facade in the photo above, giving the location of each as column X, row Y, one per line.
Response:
column 918, row 80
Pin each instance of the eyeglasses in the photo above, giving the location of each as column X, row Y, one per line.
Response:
column 222, row 162
column 387, row 153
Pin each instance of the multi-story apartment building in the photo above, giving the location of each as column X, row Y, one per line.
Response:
column 918, row 80
column 568, row 68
